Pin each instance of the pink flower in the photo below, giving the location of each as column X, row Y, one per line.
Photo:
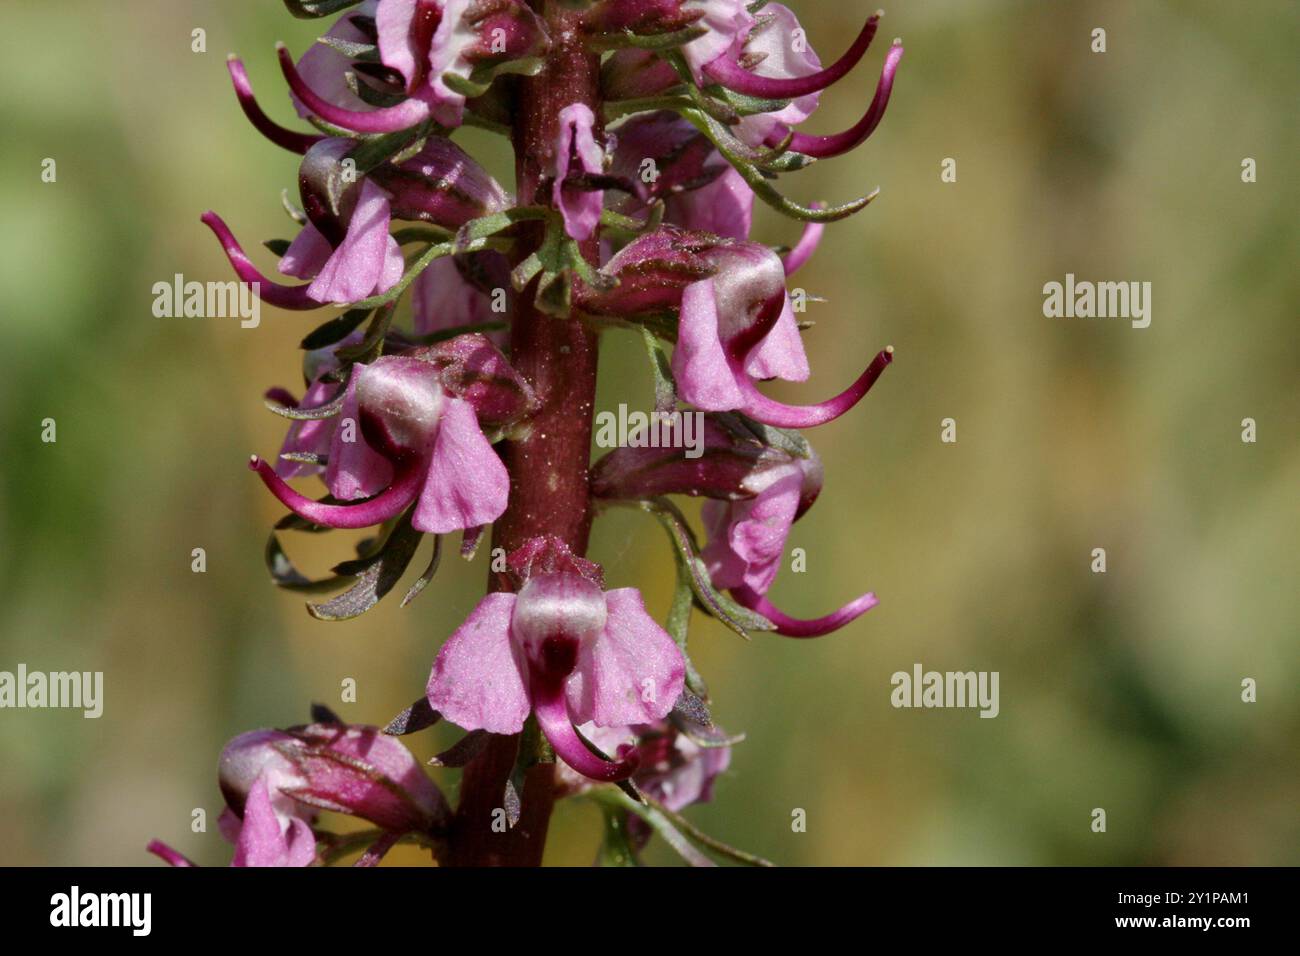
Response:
column 735, row 323
column 576, row 146
column 420, row 440
column 787, row 68
column 746, row 542
column 345, row 248
column 760, row 481
column 424, row 42
column 764, row 55
column 352, row 769
column 563, row 648
column 367, row 262
column 784, row 58
column 701, row 190
column 274, row 783
column 310, row 436
column 726, row 20
column 445, row 297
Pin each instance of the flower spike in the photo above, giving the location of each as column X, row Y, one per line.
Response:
column 293, row 141
column 727, row 72
column 386, row 120
column 837, row 144
column 771, row 412
column 272, row 293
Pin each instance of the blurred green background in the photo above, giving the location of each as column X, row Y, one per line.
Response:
column 1118, row 690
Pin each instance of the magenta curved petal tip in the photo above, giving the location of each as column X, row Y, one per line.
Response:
column 387, row 120
column 803, row 628
column 272, row 293
column 803, row 251
column 553, row 718
column 779, row 415
column 824, row 147
column 727, row 72
column 277, row 134
column 389, row 503
column 167, row 854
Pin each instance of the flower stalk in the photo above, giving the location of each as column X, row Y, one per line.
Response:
column 549, row 492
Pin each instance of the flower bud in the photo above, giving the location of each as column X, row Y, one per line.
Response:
column 735, row 455
column 360, row 771
column 252, row 755
column 471, row 367
column 701, row 190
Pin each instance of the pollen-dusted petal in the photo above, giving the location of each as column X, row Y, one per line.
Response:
column 467, row 483
column 704, row 375
column 632, row 673
column 477, row 680
column 358, row 266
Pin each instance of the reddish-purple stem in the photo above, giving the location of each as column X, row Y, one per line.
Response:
column 548, row 469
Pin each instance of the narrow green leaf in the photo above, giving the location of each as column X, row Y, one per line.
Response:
column 314, row 9
column 661, row 369
column 376, row 575
column 616, row 799
column 655, row 41
column 335, row 330
column 616, row 846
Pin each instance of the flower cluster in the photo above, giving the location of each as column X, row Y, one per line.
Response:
column 642, row 224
